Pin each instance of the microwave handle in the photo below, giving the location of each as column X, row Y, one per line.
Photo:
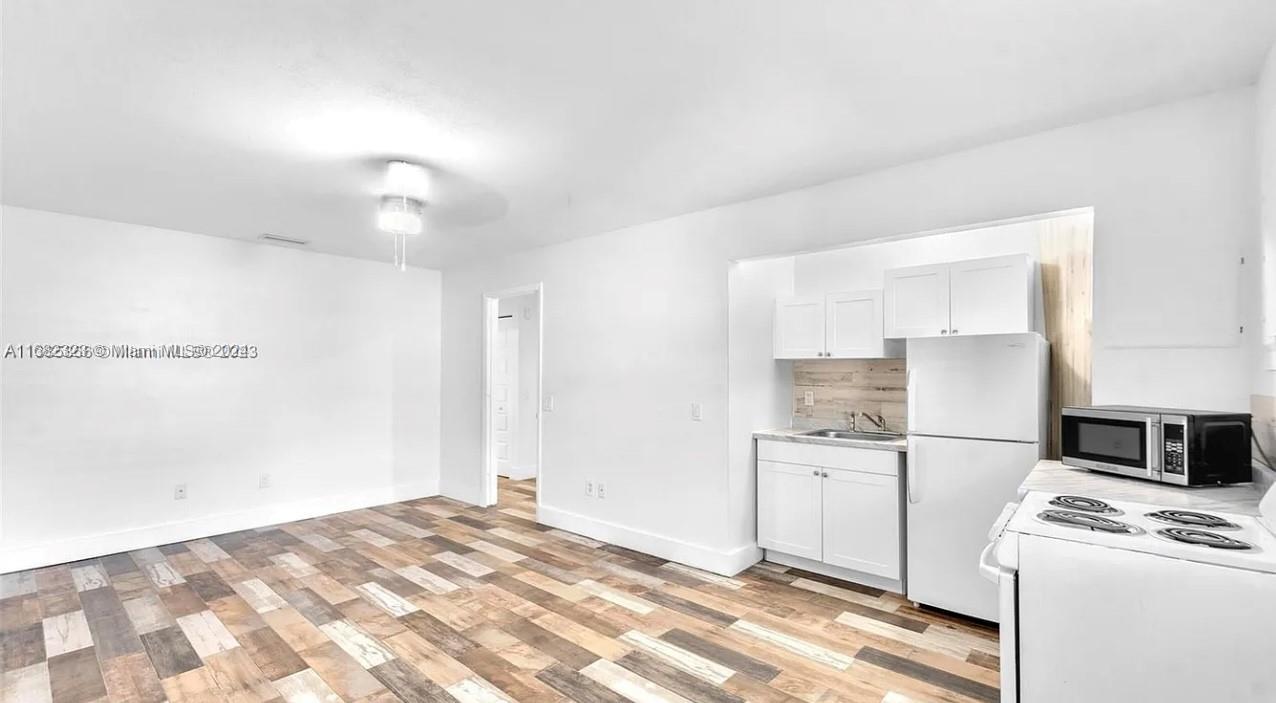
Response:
column 1155, row 448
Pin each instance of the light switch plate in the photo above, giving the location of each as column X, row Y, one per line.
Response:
column 547, row 404
column 697, row 413
column 808, row 398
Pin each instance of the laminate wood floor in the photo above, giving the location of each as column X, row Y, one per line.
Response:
column 433, row 600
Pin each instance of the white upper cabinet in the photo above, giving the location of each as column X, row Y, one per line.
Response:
column 853, row 325
column 839, row 325
column 990, row 296
column 799, row 327
column 980, row 296
column 917, row 301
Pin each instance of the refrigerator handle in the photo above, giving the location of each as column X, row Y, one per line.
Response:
column 909, row 462
column 908, row 396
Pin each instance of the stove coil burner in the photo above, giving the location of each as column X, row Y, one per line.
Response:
column 1086, row 521
column 1083, row 504
column 1202, row 538
column 1187, row 518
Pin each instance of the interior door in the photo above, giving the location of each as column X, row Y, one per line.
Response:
column 990, row 296
column 916, row 303
column 505, row 395
column 861, row 521
column 799, row 327
column 853, row 324
column 956, row 490
column 789, row 508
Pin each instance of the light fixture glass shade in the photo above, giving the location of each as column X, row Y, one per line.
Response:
column 400, row 214
column 403, row 178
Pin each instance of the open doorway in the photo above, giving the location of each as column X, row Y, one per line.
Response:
column 512, row 398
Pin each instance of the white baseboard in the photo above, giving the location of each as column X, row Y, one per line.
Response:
column 520, row 473
column 837, row 572
column 68, row 549
column 725, row 562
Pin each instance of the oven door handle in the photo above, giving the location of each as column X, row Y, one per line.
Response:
column 988, row 566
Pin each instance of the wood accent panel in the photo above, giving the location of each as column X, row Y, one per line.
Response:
column 1263, row 409
column 1067, row 286
column 843, row 387
column 538, row 614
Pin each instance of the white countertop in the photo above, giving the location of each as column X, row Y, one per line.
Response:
column 1053, row 477
column 789, row 434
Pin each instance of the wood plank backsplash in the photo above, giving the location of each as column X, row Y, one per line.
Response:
column 843, row 387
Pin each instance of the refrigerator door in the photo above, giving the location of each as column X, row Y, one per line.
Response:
column 983, row 387
column 956, row 490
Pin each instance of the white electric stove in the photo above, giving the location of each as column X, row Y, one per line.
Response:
column 1119, row 601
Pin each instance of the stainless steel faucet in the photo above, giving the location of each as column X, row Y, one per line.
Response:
column 877, row 420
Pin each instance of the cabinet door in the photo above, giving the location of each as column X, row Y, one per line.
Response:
column 853, row 324
column 789, row 508
column 991, row 296
column 799, row 327
column 917, row 301
column 861, row 522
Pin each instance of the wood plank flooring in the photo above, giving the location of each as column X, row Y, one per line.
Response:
column 434, row 600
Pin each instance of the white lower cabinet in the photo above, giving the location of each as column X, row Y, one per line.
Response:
column 861, row 522
column 837, row 506
column 789, row 518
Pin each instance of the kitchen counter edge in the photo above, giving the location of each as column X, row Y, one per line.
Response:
column 795, row 435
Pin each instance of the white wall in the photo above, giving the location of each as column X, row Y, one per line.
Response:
column 526, row 314
column 341, row 408
column 635, row 320
column 759, row 388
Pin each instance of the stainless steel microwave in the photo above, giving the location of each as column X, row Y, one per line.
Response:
column 1184, row 447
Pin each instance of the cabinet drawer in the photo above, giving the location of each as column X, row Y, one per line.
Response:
column 876, row 461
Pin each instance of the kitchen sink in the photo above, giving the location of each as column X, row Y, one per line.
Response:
column 846, row 434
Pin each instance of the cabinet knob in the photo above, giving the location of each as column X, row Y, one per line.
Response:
column 954, row 331
column 943, row 331
column 815, row 473
column 825, row 474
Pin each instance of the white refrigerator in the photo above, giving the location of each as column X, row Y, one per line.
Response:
column 976, row 427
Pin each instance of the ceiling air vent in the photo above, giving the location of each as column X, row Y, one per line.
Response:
column 282, row 241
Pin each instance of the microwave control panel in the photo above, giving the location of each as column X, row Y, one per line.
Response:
column 1172, row 458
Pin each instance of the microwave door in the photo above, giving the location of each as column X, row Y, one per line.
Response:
column 1128, row 444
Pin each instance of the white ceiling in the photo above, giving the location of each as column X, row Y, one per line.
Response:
column 552, row 119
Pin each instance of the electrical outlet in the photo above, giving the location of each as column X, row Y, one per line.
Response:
column 179, row 492
column 808, row 398
column 589, row 488
column 602, row 490
column 697, row 413
column 264, row 481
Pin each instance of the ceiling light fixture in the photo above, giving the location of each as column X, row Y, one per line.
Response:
column 403, row 206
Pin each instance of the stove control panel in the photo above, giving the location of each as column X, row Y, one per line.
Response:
column 1173, row 460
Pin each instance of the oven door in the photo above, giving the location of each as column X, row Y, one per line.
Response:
column 1120, row 442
